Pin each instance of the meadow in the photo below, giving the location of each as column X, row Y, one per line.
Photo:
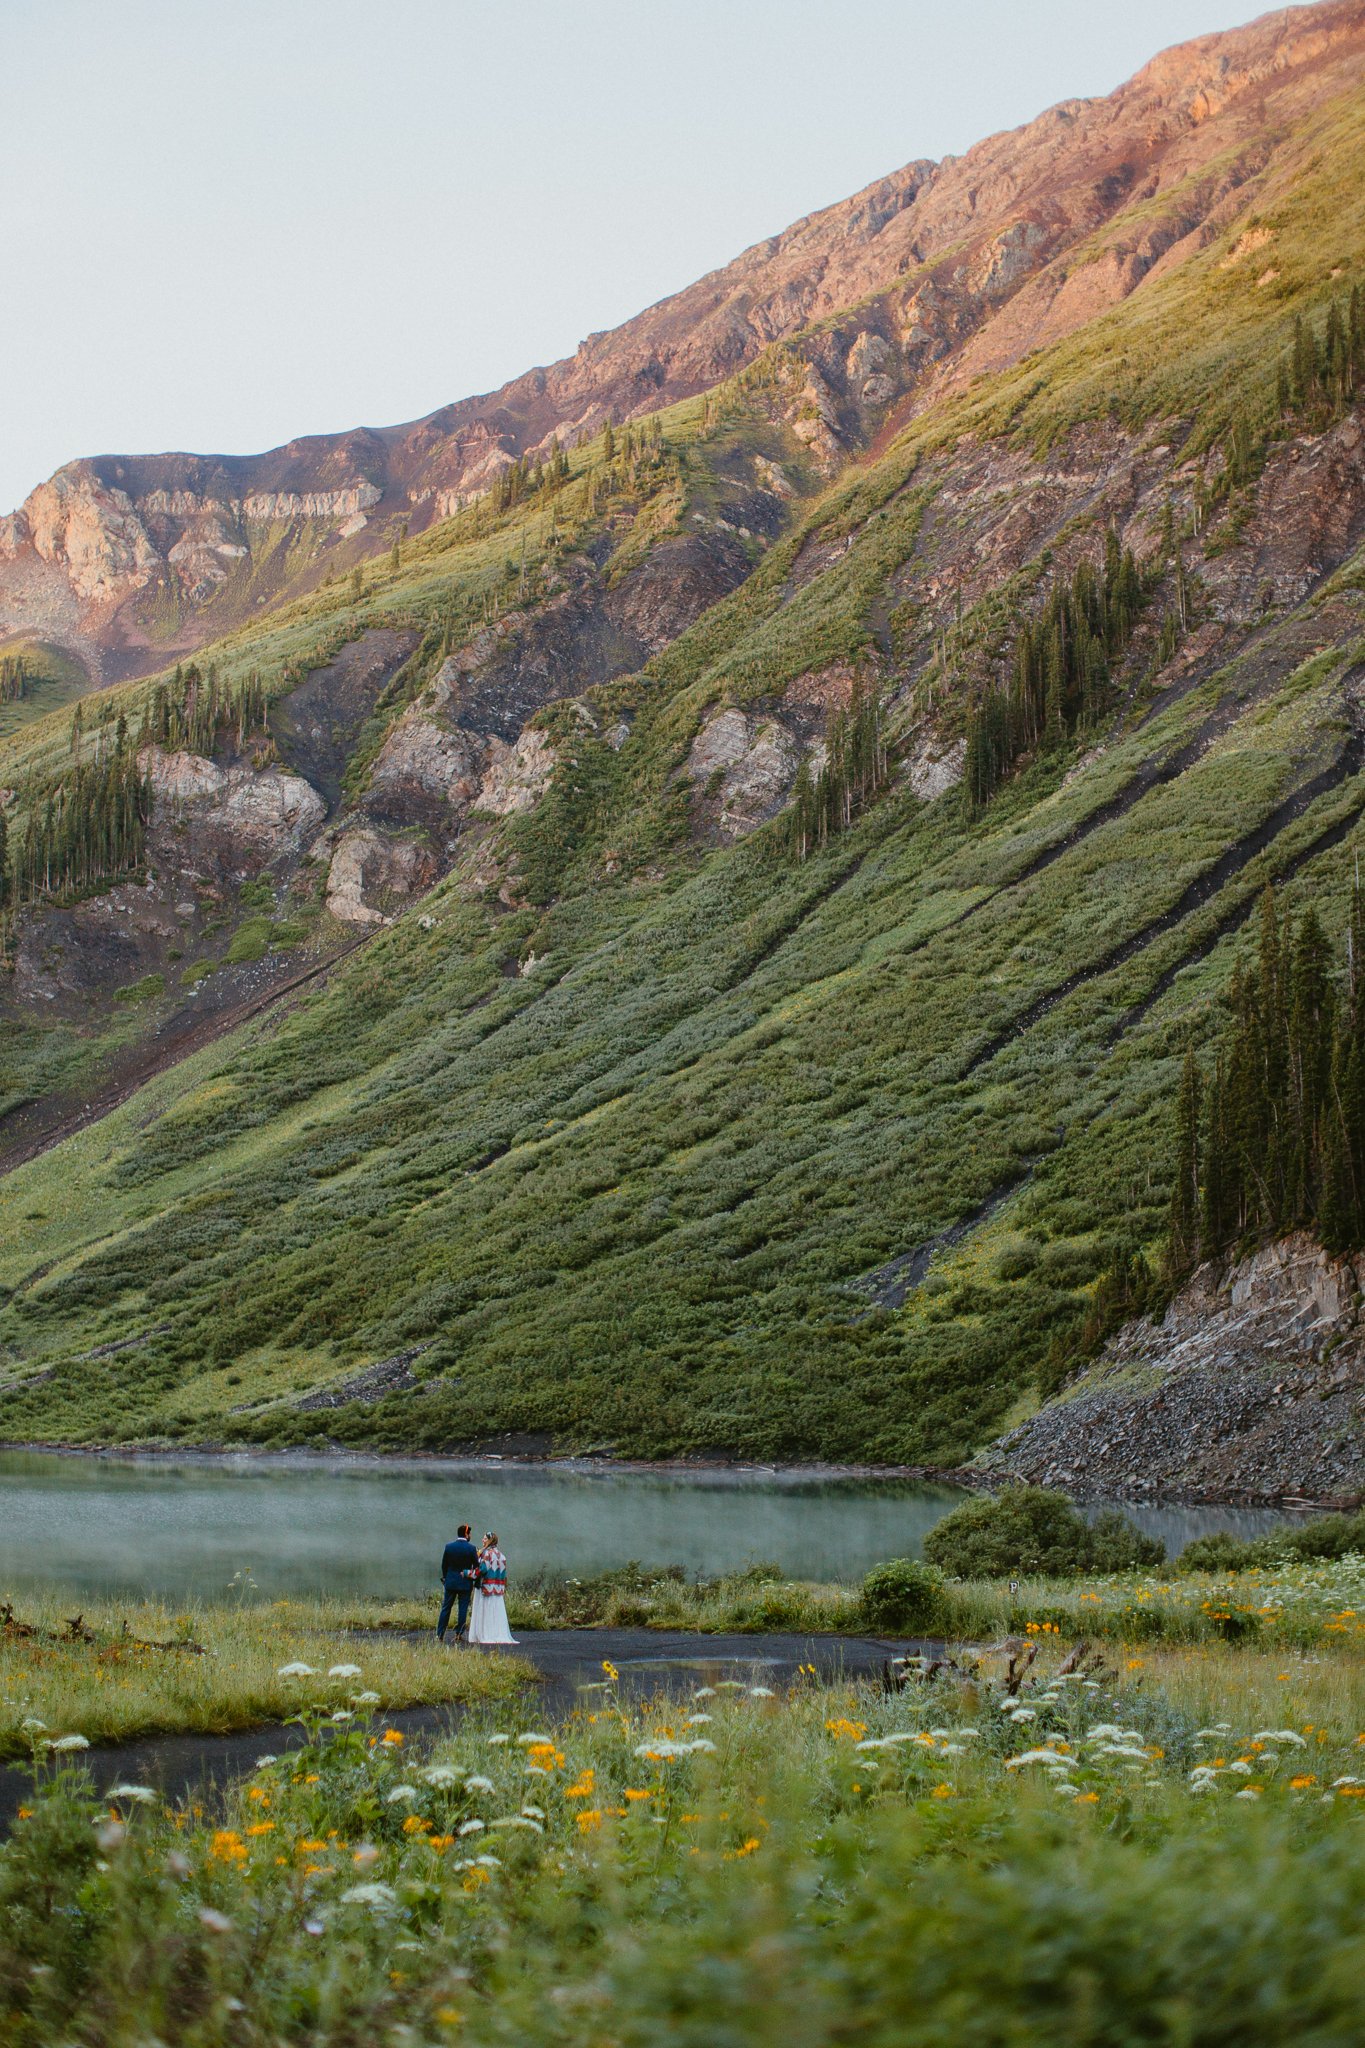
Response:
column 1158, row 1845
column 138, row 1668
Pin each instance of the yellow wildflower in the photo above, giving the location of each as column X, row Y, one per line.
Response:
column 853, row 1731
column 589, row 1820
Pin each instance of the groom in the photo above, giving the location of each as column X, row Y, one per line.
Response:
column 459, row 1574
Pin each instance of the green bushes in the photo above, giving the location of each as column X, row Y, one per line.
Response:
column 905, row 1596
column 1026, row 1529
column 1327, row 1536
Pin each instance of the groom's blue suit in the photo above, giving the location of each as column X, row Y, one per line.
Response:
column 459, row 1570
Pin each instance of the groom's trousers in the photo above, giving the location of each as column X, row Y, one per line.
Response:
column 457, row 1592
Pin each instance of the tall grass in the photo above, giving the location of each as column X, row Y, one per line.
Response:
column 109, row 1688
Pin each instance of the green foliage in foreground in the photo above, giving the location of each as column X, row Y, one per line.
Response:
column 1082, row 1861
column 1026, row 1529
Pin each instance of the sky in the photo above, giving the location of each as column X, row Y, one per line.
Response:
column 225, row 223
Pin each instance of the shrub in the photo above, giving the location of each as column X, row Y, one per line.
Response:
column 1118, row 1545
column 1327, row 1536
column 1027, row 1529
column 1220, row 1552
column 905, row 1596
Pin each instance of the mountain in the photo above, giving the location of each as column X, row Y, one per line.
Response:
column 951, row 269
column 694, row 950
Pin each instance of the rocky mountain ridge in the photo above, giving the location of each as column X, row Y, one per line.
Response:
column 549, row 1044
column 923, row 281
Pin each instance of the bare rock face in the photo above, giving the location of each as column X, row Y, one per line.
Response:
column 242, row 815
column 372, row 876
column 516, row 777
column 969, row 263
column 423, row 754
column 746, row 766
column 1250, row 1387
column 78, row 524
column 935, row 768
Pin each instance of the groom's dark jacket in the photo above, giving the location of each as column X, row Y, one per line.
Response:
column 460, row 1561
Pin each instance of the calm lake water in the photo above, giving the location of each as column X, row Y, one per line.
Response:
column 184, row 1527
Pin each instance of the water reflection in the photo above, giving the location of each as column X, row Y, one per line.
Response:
column 184, row 1527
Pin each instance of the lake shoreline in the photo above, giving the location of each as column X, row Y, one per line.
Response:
column 962, row 1478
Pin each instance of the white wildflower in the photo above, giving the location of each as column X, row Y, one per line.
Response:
column 701, row 1746
column 517, row 1820
column 1065, row 1786
column 534, row 1812
column 139, row 1793
column 528, row 1739
column 70, row 1742
column 1121, row 1749
column 216, row 1922
column 263, row 1763
column 341, row 1717
column 470, row 1827
column 493, row 1862
column 31, row 1725
column 760, row 1692
column 1034, row 1756
column 697, row 1720
column 1280, row 1735
column 1249, row 1792
column 538, row 1771
column 477, row 1784
column 296, row 1671
column 704, row 1692
column 377, row 1895
column 344, row 1671
column 402, row 1793
column 364, row 1699
column 496, row 1739
column 442, row 1776
column 1022, row 1714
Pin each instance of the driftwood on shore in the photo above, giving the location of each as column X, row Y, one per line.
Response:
column 1019, row 1653
column 13, row 1630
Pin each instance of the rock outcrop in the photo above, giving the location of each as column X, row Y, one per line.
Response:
column 743, row 768
column 928, row 277
column 517, row 776
column 1251, row 1387
column 372, row 875
column 242, row 818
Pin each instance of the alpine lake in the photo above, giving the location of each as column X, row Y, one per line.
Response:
column 181, row 1528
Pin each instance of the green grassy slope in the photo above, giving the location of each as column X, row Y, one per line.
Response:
column 626, row 1198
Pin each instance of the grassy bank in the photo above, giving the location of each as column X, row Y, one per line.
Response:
column 1293, row 1605
column 139, row 1668
column 1166, row 1849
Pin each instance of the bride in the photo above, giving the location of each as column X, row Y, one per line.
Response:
column 488, row 1614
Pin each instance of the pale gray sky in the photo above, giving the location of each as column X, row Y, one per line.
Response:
column 227, row 222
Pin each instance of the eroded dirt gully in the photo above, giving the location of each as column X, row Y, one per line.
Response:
column 37, row 1126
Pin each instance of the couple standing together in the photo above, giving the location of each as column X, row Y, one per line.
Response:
column 475, row 1585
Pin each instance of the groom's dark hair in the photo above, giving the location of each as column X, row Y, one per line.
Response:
column 463, row 1529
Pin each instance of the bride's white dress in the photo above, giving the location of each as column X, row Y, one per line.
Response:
column 488, row 1610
